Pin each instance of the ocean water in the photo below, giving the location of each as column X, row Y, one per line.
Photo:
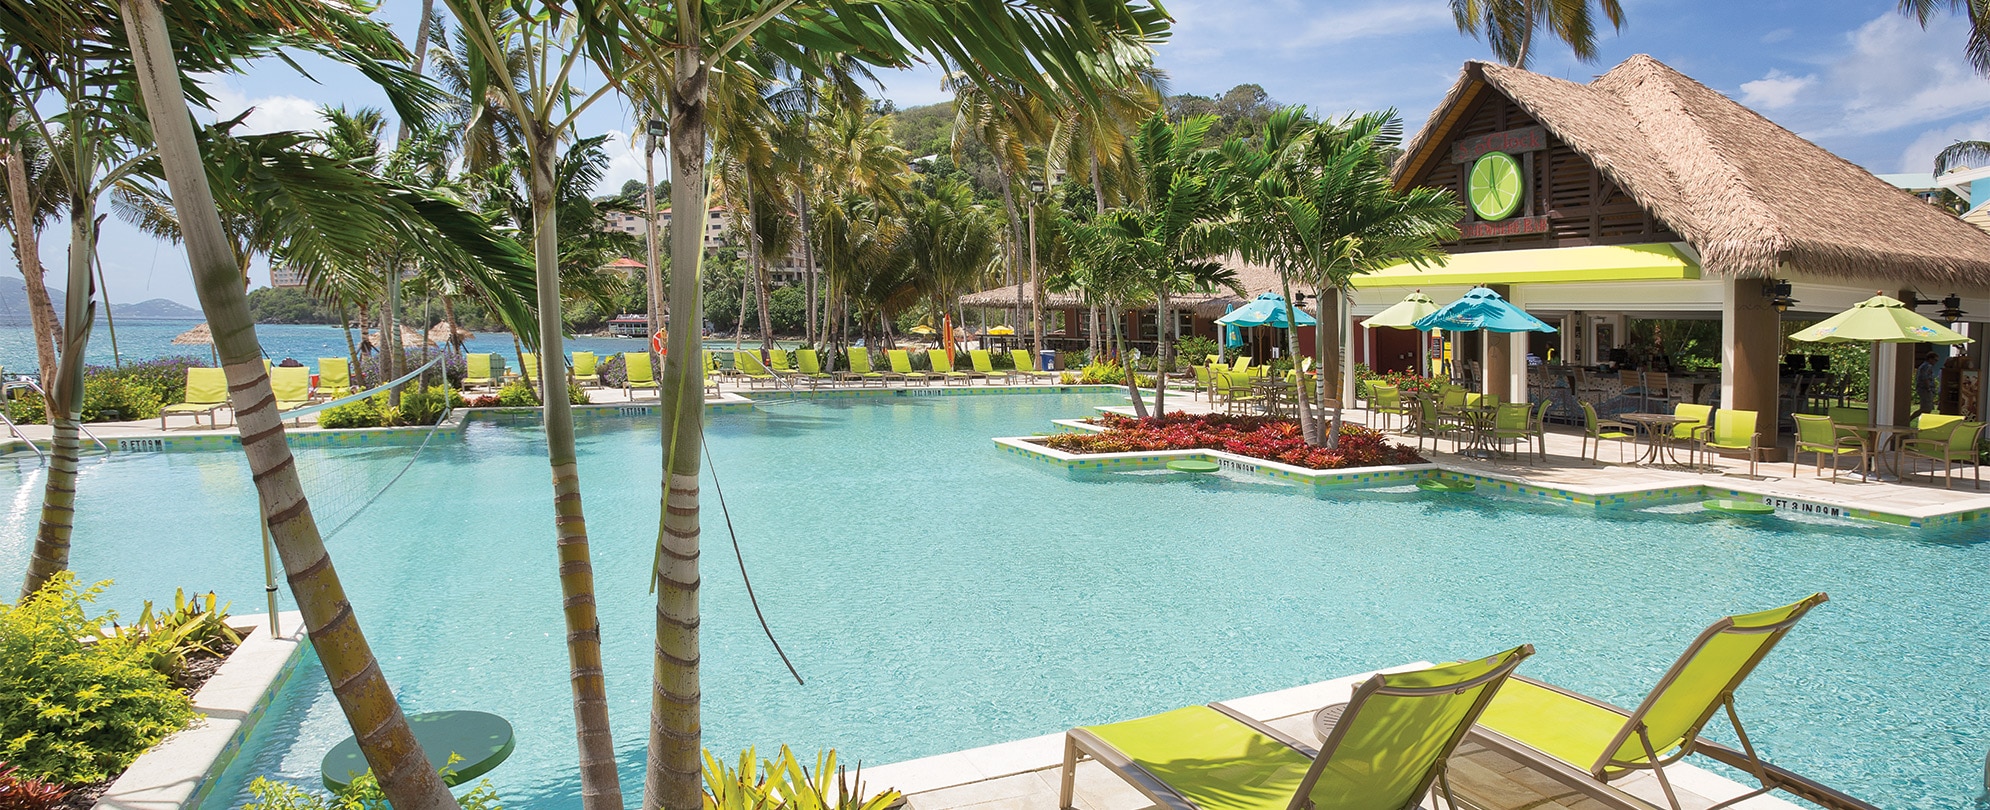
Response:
column 939, row 595
column 143, row 339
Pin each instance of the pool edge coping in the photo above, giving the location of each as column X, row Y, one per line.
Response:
column 179, row 771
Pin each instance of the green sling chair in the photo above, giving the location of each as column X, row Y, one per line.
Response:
column 529, row 368
column 1692, row 427
column 334, row 377
column 1386, row 752
column 778, row 359
column 1542, row 722
column 1734, row 430
column 748, row 364
column 901, row 365
column 860, row 368
column 943, row 367
column 207, row 392
column 1511, row 423
column 586, row 369
column 640, row 374
column 1818, row 436
column 477, row 371
column 1026, row 367
column 978, row 359
column 291, row 385
column 809, row 367
column 1595, row 430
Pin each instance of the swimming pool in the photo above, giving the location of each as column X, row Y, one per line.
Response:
column 938, row 594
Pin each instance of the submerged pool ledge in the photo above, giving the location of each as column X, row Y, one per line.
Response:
column 1674, row 490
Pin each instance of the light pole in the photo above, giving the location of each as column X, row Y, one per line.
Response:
column 653, row 129
column 1036, row 280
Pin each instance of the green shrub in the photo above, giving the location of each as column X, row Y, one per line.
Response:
column 1192, row 350
column 516, row 394
column 424, row 406
column 363, row 794
column 613, row 371
column 786, row 783
column 71, row 712
column 1111, row 373
column 362, row 413
column 194, row 625
column 109, row 398
column 27, row 408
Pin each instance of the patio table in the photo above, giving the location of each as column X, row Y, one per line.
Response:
column 1657, row 428
column 1277, row 396
column 1877, row 438
column 1478, row 422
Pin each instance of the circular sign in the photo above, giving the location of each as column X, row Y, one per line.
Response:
column 656, row 342
column 1495, row 186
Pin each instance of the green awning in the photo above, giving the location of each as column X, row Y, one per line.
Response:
column 1650, row 262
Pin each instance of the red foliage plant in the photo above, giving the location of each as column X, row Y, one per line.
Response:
column 19, row 791
column 1254, row 436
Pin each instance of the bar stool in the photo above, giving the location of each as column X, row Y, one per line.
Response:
column 1632, row 384
column 1658, row 390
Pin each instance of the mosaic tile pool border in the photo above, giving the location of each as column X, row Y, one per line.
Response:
column 1029, row 448
column 777, row 394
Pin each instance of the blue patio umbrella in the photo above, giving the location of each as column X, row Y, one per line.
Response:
column 1266, row 310
column 1481, row 308
column 1232, row 336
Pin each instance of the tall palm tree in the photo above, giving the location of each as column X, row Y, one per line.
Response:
column 33, row 199
column 950, row 243
column 1009, row 121
column 389, row 746
column 545, row 107
column 1508, row 26
column 1332, row 213
column 1097, row 138
column 1267, row 170
column 1184, row 211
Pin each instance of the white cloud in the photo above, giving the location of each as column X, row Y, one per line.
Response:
column 625, row 163
column 1387, row 19
column 1774, row 91
column 272, row 113
column 1894, row 76
column 1778, row 35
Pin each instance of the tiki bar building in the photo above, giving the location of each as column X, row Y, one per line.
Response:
column 1643, row 196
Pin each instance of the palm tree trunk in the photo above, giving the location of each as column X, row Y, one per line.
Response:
column 1160, row 353
column 1308, row 426
column 351, row 347
column 27, row 248
column 391, row 750
column 739, row 324
column 1119, row 345
column 449, row 314
column 1329, row 357
column 600, row 783
column 65, row 391
column 808, row 273
column 674, row 768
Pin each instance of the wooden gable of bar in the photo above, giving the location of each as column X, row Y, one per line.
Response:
column 1568, row 202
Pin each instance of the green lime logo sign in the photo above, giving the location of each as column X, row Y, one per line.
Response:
column 1495, row 187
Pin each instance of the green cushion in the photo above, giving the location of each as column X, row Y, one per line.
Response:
column 1566, row 728
column 1213, row 760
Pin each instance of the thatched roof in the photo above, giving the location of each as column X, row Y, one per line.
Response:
column 1255, row 279
column 1747, row 194
column 198, row 336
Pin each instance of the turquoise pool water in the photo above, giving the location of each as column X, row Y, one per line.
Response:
column 939, row 595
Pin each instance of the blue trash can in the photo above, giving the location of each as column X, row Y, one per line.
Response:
column 1047, row 360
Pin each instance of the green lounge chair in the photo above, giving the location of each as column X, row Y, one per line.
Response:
column 778, row 362
column 291, row 385
column 1819, row 436
column 207, row 392
column 334, row 377
column 747, row 364
column 586, row 370
column 860, row 368
column 1387, row 751
column 530, row 369
column 943, row 368
column 1542, row 722
column 477, row 371
column 810, row 368
column 1026, row 367
column 978, row 360
column 1596, row 430
column 1734, row 431
column 901, row 365
column 1958, row 444
column 1242, row 363
column 640, row 373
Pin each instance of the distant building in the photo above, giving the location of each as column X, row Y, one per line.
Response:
column 285, row 276
column 1971, row 185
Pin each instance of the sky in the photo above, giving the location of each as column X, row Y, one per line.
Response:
column 1851, row 75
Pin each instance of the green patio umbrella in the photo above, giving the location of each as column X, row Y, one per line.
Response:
column 1879, row 319
column 1403, row 315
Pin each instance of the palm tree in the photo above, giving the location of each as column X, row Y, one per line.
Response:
column 1508, row 25
column 1184, row 213
column 1110, row 259
column 1974, row 13
column 1007, row 120
column 1267, row 170
column 389, row 746
column 1098, row 138
column 33, row 199
column 1332, row 213
column 950, row 243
